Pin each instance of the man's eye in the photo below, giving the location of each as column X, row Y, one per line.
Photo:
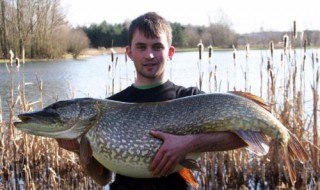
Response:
column 157, row 47
column 141, row 47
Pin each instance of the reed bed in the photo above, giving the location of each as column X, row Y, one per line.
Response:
column 284, row 87
column 30, row 162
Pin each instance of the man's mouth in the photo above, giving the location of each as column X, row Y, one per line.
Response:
column 150, row 65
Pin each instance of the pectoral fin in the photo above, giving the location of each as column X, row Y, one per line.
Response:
column 257, row 141
column 190, row 164
column 188, row 176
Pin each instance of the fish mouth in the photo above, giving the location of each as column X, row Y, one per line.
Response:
column 47, row 124
column 38, row 117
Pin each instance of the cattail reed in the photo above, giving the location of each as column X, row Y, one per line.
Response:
column 23, row 55
column 305, row 45
column 294, row 30
column 200, row 48
column 11, row 57
column 126, row 57
column 17, row 63
column 285, row 43
column 247, row 50
column 112, row 54
column 271, row 49
column 0, row 114
column 234, row 54
column 210, row 69
column 210, row 51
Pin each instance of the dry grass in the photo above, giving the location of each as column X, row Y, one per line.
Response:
column 29, row 162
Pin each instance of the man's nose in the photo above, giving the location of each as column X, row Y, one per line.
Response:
column 150, row 56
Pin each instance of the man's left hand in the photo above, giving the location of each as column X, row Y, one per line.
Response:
column 172, row 151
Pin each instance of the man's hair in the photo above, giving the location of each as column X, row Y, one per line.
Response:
column 151, row 24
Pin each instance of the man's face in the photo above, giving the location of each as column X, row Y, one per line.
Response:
column 149, row 56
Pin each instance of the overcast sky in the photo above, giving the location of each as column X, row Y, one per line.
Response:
column 244, row 16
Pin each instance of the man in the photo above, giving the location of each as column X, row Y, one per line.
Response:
column 150, row 38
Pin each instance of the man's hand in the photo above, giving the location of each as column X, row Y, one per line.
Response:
column 172, row 151
column 70, row 145
column 175, row 148
column 90, row 165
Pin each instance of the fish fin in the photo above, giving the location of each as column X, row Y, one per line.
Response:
column 86, row 153
column 257, row 141
column 188, row 176
column 289, row 165
column 296, row 150
column 254, row 98
column 190, row 164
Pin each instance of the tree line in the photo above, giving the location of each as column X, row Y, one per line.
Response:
column 218, row 34
column 39, row 29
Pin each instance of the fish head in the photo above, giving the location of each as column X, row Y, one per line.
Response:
column 67, row 119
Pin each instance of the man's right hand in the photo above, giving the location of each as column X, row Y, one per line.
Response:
column 90, row 165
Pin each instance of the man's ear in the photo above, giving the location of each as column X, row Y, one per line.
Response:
column 171, row 52
column 129, row 52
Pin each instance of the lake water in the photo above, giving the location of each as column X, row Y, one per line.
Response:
column 98, row 77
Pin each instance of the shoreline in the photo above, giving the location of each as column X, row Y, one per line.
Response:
column 84, row 54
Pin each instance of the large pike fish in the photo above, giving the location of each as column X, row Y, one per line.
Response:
column 119, row 133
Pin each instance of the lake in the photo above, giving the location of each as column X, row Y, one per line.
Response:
column 99, row 77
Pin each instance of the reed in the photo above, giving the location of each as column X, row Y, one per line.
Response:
column 200, row 50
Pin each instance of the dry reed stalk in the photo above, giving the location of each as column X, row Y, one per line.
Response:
column 315, row 88
column 234, row 56
column 271, row 86
column 23, row 55
column 200, row 51
column 246, row 79
column 271, row 49
column 11, row 57
column 210, row 53
column 285, row 43
column 294, row 30
column 1, row 119
column 210, row 69
column 261, row 76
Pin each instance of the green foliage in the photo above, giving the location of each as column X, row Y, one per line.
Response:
column 106, row 35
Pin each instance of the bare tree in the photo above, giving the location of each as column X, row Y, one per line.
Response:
column 221, row 32
column 37, row 26
column 77, row 41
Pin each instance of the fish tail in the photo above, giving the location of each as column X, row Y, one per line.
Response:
column 295, row 151
column 289, row 165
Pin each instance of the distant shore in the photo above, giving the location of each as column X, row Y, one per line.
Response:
column 86, row 53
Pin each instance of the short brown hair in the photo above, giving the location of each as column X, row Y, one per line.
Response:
column 151, row 24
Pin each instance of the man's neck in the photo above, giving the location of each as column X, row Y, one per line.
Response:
column 145, row 84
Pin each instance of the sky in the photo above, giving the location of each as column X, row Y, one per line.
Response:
column 244, row 16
